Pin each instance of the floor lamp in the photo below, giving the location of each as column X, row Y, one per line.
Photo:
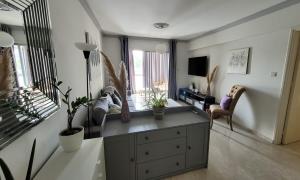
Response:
column 6, row 40
column 86, row 49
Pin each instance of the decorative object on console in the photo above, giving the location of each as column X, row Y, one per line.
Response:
column 6, row 171
column 158, row 104
column 238, row 61
column 210, row 78
column 191, row 87
column 71, row 138
column 87, row 48
column 121, row 85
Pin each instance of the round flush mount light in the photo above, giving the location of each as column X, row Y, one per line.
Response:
column 161, row 25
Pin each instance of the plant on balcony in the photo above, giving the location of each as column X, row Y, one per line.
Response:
column 158, row 104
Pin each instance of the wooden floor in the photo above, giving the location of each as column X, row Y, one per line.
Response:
column 242, row 156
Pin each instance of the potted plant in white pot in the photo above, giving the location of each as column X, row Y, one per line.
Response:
column 71, row 138
column 158, row 104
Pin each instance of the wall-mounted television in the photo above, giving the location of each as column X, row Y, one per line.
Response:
column 198, row 66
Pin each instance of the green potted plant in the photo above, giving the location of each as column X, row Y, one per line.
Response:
column 71, row 138
column 158, row 104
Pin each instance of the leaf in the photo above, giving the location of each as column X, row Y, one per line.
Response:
column 213, row 74
column 59, row 83
column 112, row 72
column 28, row 174
column 65, row 101
column 6, row 172
column 68, row 91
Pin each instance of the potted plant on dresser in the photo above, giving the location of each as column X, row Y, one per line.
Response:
column 71, row 138
column 158, row 104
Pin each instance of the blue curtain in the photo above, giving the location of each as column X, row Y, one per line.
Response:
column 125, row 57
column 172, row 70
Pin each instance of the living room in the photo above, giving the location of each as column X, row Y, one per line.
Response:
column 264, row 118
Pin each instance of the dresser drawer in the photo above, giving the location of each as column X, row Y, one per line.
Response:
column 151, row 151
column 158, row 135
column 160, row 167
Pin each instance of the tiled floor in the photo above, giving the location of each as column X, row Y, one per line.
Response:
column 242, row 156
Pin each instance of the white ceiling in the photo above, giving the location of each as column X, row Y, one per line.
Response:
column 187, row 18
column 14, row 18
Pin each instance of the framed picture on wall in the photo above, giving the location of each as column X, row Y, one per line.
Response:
column 238, row 61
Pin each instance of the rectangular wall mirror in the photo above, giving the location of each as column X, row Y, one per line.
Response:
column 27, row 67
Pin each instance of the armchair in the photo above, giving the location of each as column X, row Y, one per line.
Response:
column 215, row 111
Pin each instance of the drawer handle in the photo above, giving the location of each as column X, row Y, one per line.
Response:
column 132, row 159
column 147, row 171
column 177, row 146
column 146, row 138
column 177, row 163
column 146, row 153
column 178, row 132
column 189, row 147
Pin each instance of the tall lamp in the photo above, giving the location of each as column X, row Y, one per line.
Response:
column 6, row 40
column 87, row 48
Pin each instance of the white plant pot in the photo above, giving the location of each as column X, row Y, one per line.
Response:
column 72, row 142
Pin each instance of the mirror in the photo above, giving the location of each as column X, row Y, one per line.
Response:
column 27, row 68
column 17, row 62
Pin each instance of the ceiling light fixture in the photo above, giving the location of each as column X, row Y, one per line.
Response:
column 161, row 25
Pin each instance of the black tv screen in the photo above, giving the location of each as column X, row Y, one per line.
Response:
column 198, row 66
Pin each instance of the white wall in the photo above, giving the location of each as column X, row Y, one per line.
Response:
column 182, row 65
column 18, row 33
column 268, row 37
column 69, row 21
column 111, row 46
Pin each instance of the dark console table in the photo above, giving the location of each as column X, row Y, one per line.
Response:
column 200, row 101
column 145, row 148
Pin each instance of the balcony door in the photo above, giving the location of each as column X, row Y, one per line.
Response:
column 151, row 72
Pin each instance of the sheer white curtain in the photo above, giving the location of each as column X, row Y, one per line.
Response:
column 156, row 71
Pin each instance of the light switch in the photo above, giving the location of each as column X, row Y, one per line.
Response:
column 274, row 74
column 0, row 118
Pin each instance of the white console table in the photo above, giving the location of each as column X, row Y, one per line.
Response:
column 85, row 164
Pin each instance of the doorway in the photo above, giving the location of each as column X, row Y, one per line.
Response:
column 291, row 131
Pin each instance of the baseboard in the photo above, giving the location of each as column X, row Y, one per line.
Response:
column 253, row 132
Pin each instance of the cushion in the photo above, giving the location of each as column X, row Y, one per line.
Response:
column 99, row 110
column 114, row 109
column 225, row 102
column 109, row 99
column 116, row 99
column 109, row 89
column 215, row 109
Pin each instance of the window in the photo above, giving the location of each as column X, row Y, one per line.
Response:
column 151, row 71
column 22, row 66
column 138, row 69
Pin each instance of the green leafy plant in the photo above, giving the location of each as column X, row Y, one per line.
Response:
column 157, row 100
column 6, row 171
column 72, row 106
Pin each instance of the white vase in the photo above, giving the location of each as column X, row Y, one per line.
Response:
column 71, row 142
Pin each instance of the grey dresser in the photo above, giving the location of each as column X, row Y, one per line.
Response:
column 146, row 148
